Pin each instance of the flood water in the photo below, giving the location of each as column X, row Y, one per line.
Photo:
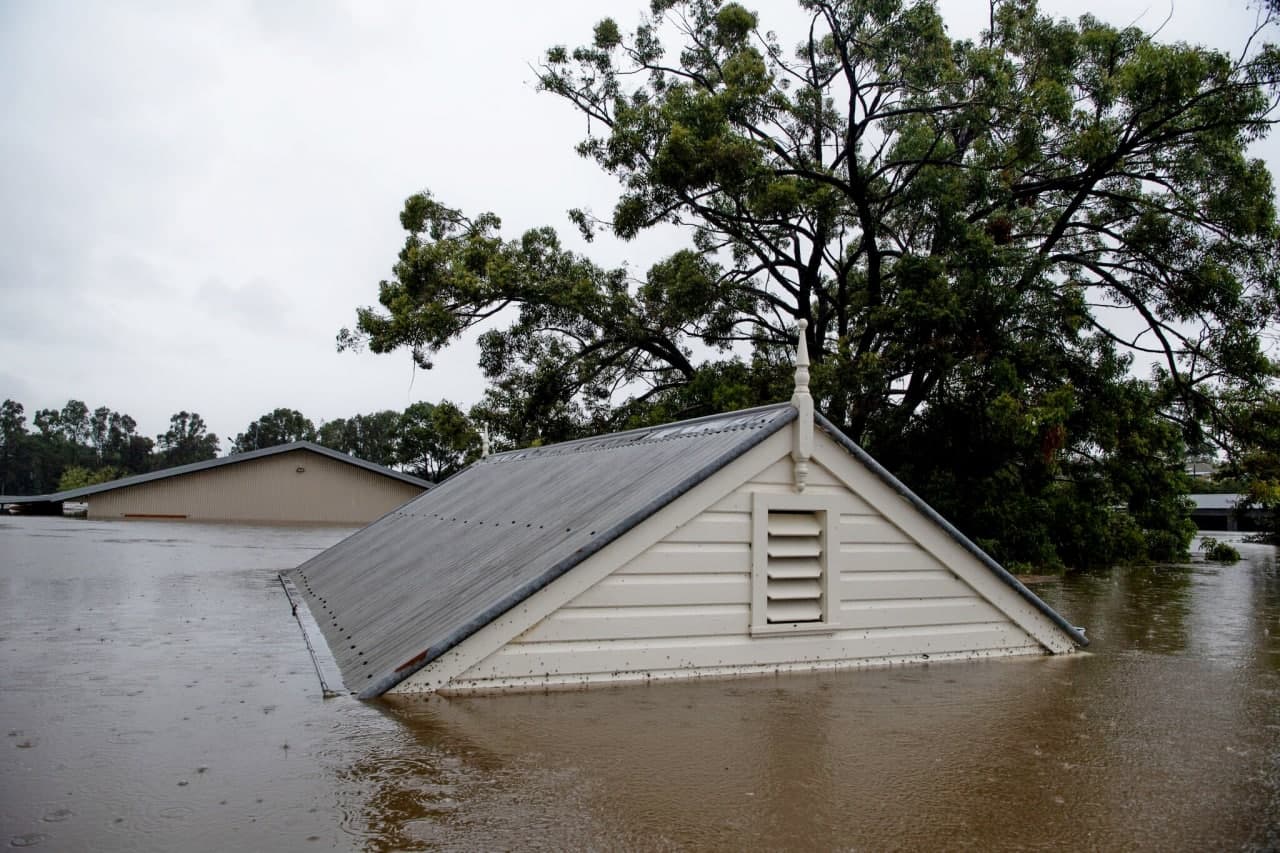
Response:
column 157, row 695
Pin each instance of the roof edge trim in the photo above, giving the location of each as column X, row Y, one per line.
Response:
column 787, row 415
column 951, row 530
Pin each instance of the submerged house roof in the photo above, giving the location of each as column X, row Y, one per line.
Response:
column 445, row 564
column 402, row 592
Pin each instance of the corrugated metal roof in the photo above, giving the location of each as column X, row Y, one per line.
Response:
column 404, row 590
column 234, row 459
column 1221, row 502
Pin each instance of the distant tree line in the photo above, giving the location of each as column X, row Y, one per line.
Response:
column 75, row 446
column 429, row 440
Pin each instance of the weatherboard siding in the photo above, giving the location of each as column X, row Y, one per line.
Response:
column 683, row 606
column 269, row 489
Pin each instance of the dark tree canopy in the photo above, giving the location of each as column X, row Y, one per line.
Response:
column 95, row 446
column 436, row 440
column 372, row 437
column 1255, row 462
column 280, row 426
column 14, row 475
column 187, row 440
column 983, row 237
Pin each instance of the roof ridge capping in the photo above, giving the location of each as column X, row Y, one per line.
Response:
column 694, row 427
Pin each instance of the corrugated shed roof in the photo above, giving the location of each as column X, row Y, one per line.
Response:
column 401, row 592
column 234, row 459
column 1221, row 502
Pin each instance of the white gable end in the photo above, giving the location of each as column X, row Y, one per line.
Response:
column 895, row 588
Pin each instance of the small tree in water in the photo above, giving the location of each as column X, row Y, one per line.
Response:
column 1218, row 552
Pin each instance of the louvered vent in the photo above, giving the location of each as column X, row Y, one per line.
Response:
column 793, row 588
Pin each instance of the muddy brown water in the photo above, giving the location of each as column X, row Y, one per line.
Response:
column 157, row 695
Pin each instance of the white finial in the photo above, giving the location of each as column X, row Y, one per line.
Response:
column 484, row 442
column 800, row 398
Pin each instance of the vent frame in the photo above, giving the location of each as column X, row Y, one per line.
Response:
column 820, row 506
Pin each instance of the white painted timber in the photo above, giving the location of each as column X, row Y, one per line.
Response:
column 662, row 590
column 669, row 557
column 631, row 623
column 870, row 530
column 543, row 681
column 681, row 606
column 901, row 557
column 780, row 474
column 719, row 527
column 896, row 584
column 564, row 664
column 842, row 499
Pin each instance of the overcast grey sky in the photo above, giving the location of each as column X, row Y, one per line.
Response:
column 195, row 197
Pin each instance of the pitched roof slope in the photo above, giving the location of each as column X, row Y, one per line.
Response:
column 208, row 464
column 401, row 592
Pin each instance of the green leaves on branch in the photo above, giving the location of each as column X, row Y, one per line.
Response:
column 187, row 440
column 281, row 426
column 579, row 332
column 986, row 238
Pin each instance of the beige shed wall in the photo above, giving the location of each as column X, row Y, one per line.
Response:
column 683, row 607
column 268, row 488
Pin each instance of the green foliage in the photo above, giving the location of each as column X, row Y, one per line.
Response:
column 280, row 426
column 1218, row 552
column 77, row 477
column 187, row 440
column 432, row 440
column 373, row 437
column 13, row 432
column 34, row 463
column 1254, row 446
column 981, row 235
column 436, row 440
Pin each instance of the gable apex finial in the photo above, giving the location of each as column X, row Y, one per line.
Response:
column 802, row 359
column 800, row 398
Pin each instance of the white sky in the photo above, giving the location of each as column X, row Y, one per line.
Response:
column 194, row 198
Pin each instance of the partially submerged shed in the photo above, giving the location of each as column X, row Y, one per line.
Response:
column 1224, row 512
column 758, row 541
column 289, row 483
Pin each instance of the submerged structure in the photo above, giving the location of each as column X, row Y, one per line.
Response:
column 758, row 541
column 300, row 482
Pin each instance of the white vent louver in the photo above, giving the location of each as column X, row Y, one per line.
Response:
column 793, row 588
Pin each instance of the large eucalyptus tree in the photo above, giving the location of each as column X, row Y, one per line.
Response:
column 986, row 238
